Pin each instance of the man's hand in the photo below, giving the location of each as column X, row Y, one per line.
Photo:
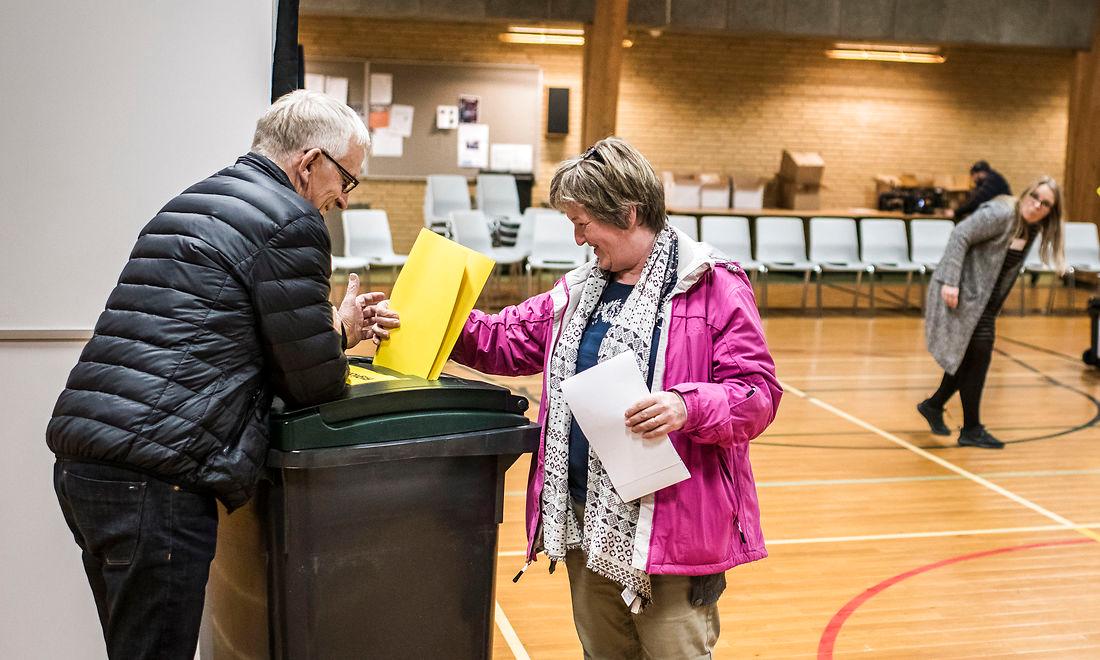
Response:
column 950, row 295
column 378, row 317
column 356, row 326
column 656, row 415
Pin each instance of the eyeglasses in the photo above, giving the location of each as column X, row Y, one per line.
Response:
column 592, row 154
column 349, row 179
column 1040, row 201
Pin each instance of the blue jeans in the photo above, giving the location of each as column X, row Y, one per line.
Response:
column 147, row 547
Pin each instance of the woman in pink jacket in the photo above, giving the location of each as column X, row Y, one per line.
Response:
column 645, row 575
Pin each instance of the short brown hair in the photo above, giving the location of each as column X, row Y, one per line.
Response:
column 609, row 179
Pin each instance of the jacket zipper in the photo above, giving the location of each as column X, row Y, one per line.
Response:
column 235, row 439
column 736, row 499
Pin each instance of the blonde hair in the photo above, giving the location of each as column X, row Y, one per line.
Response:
column 304, row 120
column 1052, row 245
column 608, row 180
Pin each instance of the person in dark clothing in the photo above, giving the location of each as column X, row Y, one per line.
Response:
column 982, row 259
column 988, row 183
column 222, row 304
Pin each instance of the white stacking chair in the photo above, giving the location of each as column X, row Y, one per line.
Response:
column 553, row 247
column 781, row 247
column 928, row 240
column 729, row 234
column 833, row 247
column 472, row 230
column 687, row 224
column 367, row 236
column 683, row 194
column 883, row 245
column 1082, row 254
column 498, row 198
column 444, row 194
column 1033, row 264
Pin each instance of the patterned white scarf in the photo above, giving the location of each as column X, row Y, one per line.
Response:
column 610, row 525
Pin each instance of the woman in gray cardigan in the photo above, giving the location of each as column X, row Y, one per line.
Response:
column 978, row 268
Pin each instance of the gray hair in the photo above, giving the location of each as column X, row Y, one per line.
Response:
column 303, row 120
column 609, row 179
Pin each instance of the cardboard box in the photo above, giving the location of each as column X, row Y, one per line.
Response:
column 952, row 182
column 714, row 192
column 748, row 192
column 885, row 183
column 799, row 196
column 804, row 167
column 681, row 190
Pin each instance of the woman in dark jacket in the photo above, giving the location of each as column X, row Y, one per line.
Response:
column 977, row 271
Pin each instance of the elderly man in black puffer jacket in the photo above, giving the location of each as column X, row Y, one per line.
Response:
column 223, row 303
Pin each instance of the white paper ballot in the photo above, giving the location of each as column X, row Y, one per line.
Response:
column 599, row 398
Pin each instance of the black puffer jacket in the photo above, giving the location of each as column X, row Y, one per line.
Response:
column 224, row 300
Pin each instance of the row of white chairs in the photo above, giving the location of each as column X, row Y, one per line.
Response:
column 883, row 246
column 445, row 194
column 545, row 243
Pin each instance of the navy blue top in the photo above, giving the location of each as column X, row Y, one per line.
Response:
column 611, row 303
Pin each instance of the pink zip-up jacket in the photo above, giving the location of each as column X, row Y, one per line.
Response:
column 712, row 352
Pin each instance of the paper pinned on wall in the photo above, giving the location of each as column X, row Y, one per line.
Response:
column 401, row 119
column 446, row 117
column 381, row 88
column 511, row 157
column 434, row 294
column 337, row 88
column 473, row 145
column 315, row 82
column 386, row 143
column 599, row 398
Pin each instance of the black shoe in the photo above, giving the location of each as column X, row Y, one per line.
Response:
column 934, row 417
column 979, row 437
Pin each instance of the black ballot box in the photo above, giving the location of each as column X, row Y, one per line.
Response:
column 374, row 531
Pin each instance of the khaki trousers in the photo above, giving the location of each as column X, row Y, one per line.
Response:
column 671, row 628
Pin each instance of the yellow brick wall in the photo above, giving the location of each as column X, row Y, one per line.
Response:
column 696, row 103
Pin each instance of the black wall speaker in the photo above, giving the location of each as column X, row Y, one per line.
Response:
column 557, row 111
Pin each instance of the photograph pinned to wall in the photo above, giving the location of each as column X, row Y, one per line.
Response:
column 468, row 108
column 446, row 117
column 401, row 119
column 473, row 145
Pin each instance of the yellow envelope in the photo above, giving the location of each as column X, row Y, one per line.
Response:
column 434, row 294
column 358, row 375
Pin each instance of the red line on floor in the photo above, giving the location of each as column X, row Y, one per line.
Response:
column 828, row 637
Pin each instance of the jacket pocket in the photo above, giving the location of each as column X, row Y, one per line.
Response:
column 108, row 515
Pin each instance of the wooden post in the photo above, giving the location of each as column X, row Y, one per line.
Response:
column 603, row 61
column 1082, row 198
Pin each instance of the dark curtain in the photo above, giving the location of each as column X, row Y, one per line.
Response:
column 286, row 70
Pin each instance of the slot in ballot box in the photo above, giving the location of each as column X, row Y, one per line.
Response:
column 374, row 531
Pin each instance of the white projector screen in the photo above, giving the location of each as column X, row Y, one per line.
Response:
column 109, row 110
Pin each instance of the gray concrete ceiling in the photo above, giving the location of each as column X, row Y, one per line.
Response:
column 1063, row 24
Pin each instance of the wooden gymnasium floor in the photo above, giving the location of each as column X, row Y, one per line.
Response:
column 885, row 540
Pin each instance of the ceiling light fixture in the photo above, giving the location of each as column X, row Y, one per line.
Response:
column 547, row 36
column 887, row 53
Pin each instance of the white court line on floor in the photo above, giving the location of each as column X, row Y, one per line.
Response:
column 1046, row 513
column 912, row 379
column 1018, row 474
column 897, row 536
column 509, row 634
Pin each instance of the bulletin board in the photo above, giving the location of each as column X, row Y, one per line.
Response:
column 510, row 102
